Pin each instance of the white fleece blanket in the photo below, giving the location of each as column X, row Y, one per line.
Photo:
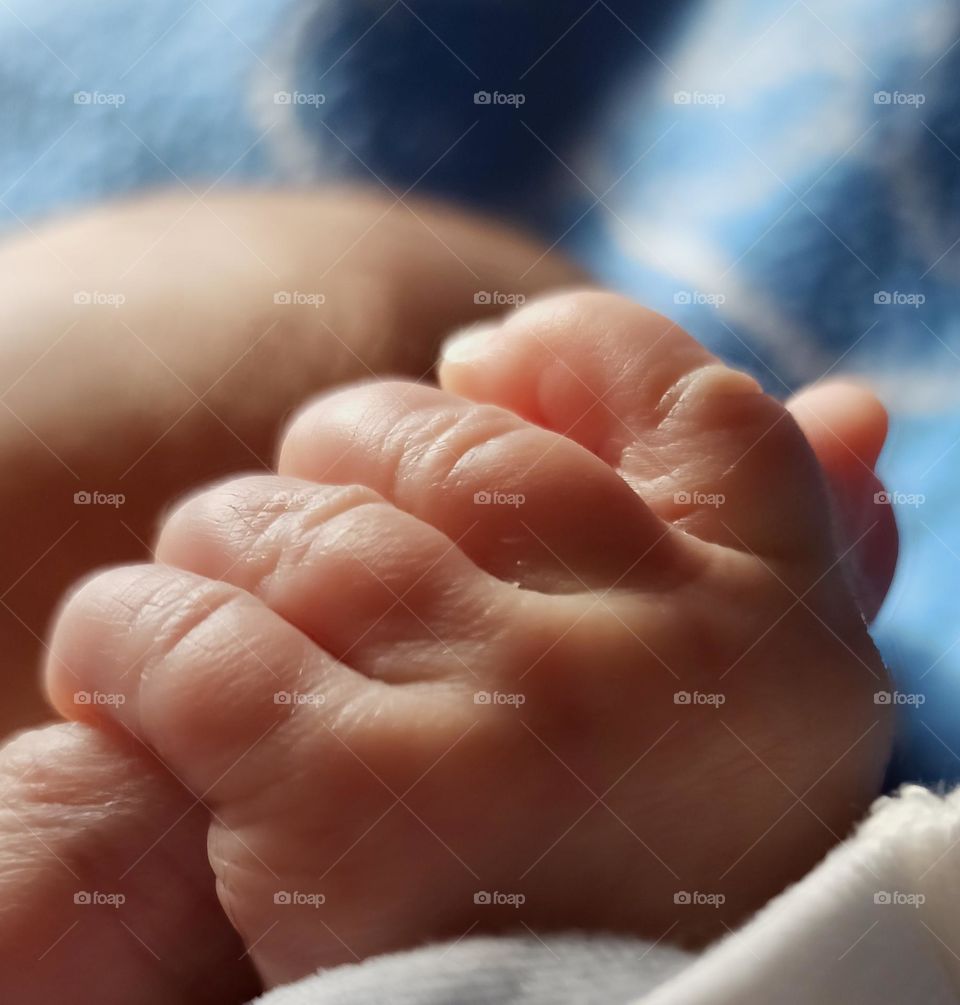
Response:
column 877, row 923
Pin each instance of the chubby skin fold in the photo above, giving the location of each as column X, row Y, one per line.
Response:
column 554, row 644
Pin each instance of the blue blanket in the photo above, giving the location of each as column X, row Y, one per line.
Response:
column 781, row 176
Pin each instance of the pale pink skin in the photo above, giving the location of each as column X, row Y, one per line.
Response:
column 366, row 580
column 105, row 397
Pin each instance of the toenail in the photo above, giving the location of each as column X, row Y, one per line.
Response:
column 713, row 380
column 473, row 342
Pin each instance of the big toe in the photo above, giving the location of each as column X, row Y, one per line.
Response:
column 702, row 444
column 106, row 894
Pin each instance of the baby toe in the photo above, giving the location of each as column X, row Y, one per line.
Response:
column 700, row 442
column 377, row 588
column 192, row 669
column 524, row 503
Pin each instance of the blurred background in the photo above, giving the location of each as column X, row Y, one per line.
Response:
column 779, row 176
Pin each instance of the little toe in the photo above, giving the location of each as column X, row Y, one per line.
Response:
column 703, row 445
column 525, row 504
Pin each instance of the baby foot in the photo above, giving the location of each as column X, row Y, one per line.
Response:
column 585, row 660
column 106, row 895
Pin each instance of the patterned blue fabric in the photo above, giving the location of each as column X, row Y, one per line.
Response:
column 781, row 176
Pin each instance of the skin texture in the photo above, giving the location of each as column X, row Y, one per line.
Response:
column 192, row 375
column 85, row 817
column 674, row 537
